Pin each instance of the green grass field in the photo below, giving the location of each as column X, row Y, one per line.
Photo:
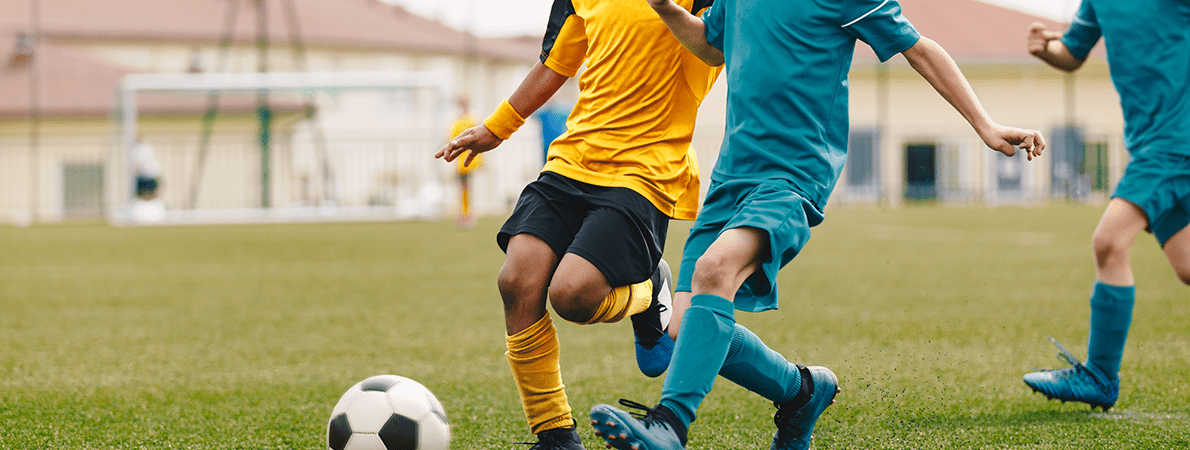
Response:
column 245, row 336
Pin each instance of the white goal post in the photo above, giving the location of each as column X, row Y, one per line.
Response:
column 121, row 184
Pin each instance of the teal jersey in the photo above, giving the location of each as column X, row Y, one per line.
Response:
column 786, row 65
column 1148, row 49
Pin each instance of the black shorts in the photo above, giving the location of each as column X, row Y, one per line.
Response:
column 617, row 230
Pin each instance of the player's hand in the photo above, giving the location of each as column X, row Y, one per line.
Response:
column 1007, row 140
column 476, row 140
column 1039, row 38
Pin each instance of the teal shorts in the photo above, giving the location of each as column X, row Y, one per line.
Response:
column 1159, row 183
column 771, row 206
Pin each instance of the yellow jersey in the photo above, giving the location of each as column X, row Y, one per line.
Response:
column 634, row 119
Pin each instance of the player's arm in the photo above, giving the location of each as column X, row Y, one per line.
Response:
column 689, row 29
column 933, row 63
column 1048, row 46
column 538, row 86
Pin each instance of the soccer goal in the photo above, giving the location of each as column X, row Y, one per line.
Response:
column 329, row 146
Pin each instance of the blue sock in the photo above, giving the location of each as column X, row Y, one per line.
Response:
column 702, row 346
column 756, row 367
column 1111, row 314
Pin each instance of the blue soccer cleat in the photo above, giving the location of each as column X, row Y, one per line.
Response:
column 795, row 427
column 654, row 347
column 656, row 429
column 1081, row 383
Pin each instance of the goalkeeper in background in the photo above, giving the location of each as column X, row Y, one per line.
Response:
column 465, row 219
column 590, row 230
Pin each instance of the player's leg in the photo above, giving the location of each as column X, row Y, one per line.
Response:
column 1154, row 194
column 709, row 341
column 660, row 428
column 1113, row 239
column 578, row 289
column 580, row 293
column 800, row 394
column 753, row 365
column 465, row 219
column 1115, row 291
column 1171, row 225
column 707, row 326
column 618, row 244
column 654, row 346
column 1177, row 250
column 534, row 238
column 681, row 303
column 702, row 345
column 533, row 352
column 523, row 281
column 1096, row 382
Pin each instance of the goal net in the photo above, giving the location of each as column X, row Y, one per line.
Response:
column 339, row 146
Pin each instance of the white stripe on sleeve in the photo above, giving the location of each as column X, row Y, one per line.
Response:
column 865, row 15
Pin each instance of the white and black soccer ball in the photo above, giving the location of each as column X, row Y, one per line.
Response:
column 388, row 412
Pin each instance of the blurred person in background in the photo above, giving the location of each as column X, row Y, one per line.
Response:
column 147, row 206
column 147, row 170
column 553, row 124
column 464, row 166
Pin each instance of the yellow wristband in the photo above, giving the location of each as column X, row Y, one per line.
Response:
column 504, row 121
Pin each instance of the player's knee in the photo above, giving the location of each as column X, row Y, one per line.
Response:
column 1109, row 250
column 1183, row 274
column 567, row 300
column 710, row 272
column 572, row 315
column 514, row 286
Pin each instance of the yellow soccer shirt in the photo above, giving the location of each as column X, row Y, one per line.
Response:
column 639, row 96
column 461, row 124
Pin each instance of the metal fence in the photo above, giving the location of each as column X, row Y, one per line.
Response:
column 357, row 175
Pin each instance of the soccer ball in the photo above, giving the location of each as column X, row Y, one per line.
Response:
column 388, row 412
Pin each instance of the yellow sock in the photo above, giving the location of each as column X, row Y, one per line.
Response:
column 533, row 357
column 642, row 297
column 624, row 301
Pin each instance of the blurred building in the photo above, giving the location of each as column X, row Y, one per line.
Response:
column 58, row 136
column 59, row 141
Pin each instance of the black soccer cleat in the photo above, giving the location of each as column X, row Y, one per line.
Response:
column 557, row 439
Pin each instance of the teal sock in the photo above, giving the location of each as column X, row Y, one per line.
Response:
column 756, row 367
column 1111, row 315
column 702, row 346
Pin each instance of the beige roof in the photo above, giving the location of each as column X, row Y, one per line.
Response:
column 970, row 30
column 74, row 84
column 325, row 23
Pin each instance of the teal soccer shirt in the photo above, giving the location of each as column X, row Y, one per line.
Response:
column 1148, row 48
column 786, row 67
